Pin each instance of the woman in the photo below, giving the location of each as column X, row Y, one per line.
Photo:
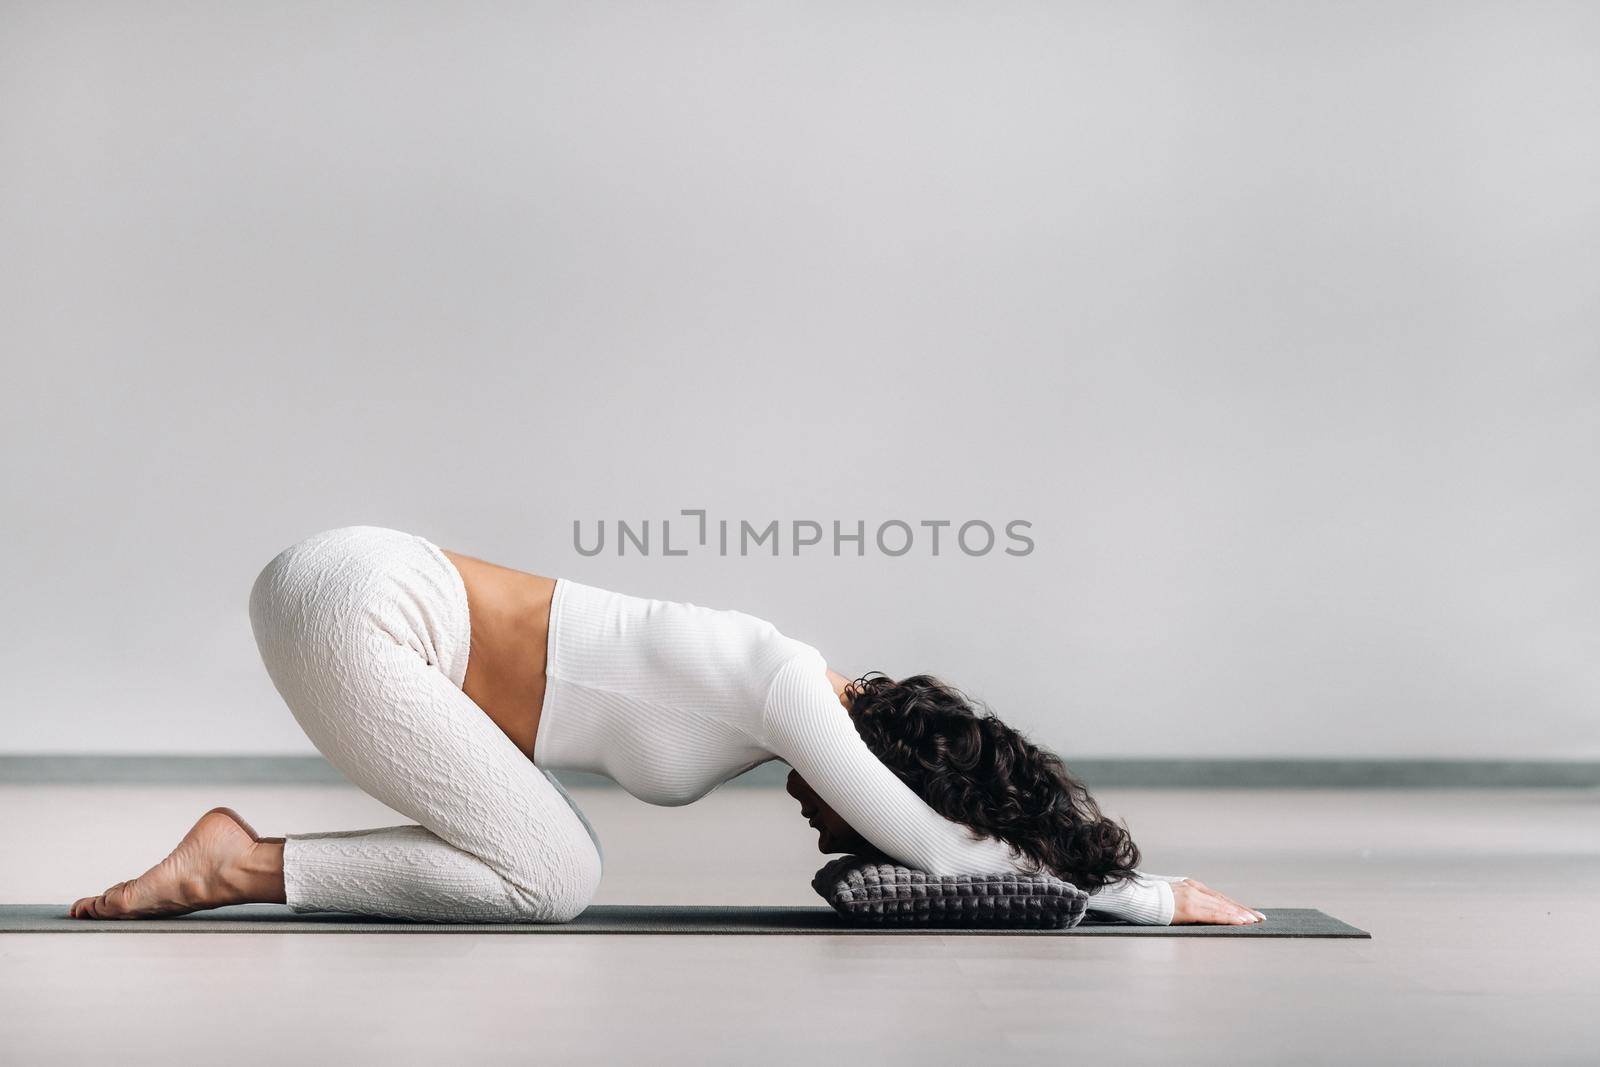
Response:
column 448, row 687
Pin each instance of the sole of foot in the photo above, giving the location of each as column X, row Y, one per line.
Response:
column 188, row 879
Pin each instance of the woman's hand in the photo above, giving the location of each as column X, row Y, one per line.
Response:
column 1196, row 902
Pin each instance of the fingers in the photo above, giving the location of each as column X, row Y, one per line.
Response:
column 1234, row 903
column 1201, row 904
column 1256, row 915
column 1224, row 912
column 1234, row 911
column 1247, row 911
column 1259, row 917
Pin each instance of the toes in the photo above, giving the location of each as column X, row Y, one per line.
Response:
column 108, row 905
column 113, row 902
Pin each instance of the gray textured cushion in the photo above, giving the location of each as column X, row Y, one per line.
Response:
column 870, row 892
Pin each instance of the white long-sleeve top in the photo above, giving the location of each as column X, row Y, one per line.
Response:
column 670, row 700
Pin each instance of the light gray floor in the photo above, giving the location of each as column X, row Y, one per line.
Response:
column 1460, row 969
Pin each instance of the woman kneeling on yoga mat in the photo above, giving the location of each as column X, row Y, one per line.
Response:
column 448, row 688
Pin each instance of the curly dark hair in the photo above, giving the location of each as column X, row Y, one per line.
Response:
column 972, row 768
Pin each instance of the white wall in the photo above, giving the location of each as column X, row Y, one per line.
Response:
column 1278, row 322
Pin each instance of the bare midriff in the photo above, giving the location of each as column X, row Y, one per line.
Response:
column 510, row 612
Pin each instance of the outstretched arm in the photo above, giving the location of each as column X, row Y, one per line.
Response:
column 1163, row 900
column 1146, row 899
column 808, row 729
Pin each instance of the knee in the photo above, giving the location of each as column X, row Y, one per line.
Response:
column 579, row 885
column 561, row 893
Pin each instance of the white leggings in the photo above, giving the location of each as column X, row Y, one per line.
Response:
column 365, row 632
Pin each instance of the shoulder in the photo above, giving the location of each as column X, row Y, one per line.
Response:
column 799, row 696
column 793, row 662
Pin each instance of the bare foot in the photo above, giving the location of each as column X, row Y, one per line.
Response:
column 193, row 876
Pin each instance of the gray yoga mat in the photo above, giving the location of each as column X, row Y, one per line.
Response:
column 626, row 919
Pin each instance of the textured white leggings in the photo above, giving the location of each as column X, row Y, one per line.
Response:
column 365, row 632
